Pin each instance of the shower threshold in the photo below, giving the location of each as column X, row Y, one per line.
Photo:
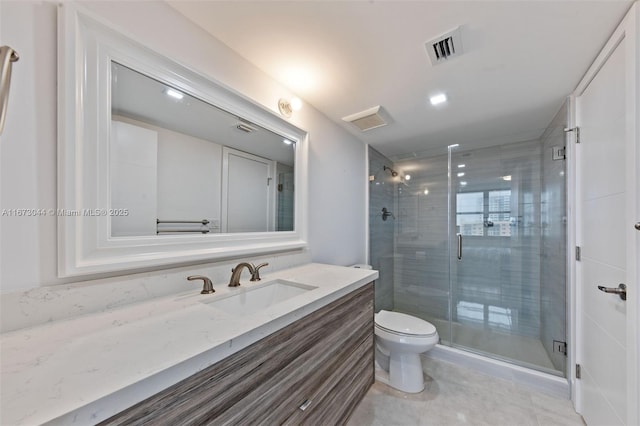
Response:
column 548, row 383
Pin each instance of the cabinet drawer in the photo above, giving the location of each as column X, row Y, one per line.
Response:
column 263, row 383
column 273, row 400
column 335, row 399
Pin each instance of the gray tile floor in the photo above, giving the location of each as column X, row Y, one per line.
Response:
column 455, row 395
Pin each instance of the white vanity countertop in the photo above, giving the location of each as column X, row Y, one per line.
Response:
column 85, row 369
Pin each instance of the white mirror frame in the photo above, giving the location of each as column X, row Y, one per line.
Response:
column 86, row 47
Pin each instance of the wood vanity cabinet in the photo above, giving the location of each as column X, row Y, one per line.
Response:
column 314, row 371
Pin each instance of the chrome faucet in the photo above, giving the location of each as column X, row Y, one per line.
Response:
column 237, row 271
column 207, row 287
column 255, row 275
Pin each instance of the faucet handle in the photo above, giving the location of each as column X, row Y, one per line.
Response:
column 207, row 287
column 255, row 276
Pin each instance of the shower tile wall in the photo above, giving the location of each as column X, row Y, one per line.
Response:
column 285, row 198
column 553, row 271
column 422, row 261
column 381, row 257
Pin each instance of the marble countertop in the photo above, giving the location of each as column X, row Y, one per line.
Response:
column 85, row 369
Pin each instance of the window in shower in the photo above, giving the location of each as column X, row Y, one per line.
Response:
column 484, row 213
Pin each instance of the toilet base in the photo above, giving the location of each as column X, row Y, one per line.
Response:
column 400, row 371
column 405, row 372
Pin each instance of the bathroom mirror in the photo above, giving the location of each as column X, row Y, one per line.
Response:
column 180, row 165
column 159, row 164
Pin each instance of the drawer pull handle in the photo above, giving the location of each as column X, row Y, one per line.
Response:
column 305, row 404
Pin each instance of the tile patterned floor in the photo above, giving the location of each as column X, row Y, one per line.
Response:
column 455, row 395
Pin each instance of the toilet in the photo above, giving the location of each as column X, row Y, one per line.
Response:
column 400, row 339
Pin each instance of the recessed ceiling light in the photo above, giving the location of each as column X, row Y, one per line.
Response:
column 438, row 99
column 426, row 192
column 507, row 178
column 174, row 94
column 407, row 177
column 460, row 174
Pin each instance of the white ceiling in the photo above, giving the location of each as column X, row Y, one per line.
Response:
column 139, row 97
column 521, row 58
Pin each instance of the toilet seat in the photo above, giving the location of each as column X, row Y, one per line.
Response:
column 403, row 325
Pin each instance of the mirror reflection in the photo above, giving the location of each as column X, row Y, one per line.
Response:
column 180, row 165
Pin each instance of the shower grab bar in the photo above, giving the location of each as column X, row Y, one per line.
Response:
column 7, row 55
column 459, row 246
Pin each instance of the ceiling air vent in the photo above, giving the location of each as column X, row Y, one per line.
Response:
column 444, row 47
column 367, row 119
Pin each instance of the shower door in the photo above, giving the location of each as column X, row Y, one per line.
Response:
column 497, row 297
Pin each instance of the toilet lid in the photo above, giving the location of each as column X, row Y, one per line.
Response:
column 395, row 322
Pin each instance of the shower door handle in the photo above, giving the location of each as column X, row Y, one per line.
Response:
column 459, row 246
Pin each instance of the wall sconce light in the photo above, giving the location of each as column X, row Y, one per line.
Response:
column 286, row 106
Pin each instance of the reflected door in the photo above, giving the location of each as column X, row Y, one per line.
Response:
column 248, row 195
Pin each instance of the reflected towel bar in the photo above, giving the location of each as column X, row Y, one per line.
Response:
column 7, row 56
column 203, row 221
column 196, row 231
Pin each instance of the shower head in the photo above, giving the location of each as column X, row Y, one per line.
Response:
column 393, row 172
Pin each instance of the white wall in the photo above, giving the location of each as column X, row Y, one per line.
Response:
column 133, row 162
column 28, row 146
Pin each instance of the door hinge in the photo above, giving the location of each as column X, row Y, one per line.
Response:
column 574, row 129
column 578, row 373
column 559, row 346
column 558, row 153
column 578, row 253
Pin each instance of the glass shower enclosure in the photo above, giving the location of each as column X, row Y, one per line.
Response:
column 477, row 246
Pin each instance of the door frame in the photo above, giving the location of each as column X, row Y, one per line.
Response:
column 627, row 30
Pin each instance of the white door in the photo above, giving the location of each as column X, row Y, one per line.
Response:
column 607, row 211
column 248, row 195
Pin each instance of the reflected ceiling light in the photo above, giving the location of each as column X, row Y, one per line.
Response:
column 455, row 145
column 296, row 104
column 426, row 191
column 407, row 177
column 287, row 141
column 507, row 177
column 462, row 166
column 460, row 174
column 438, row 99
column 463, row 183
column 174, row 93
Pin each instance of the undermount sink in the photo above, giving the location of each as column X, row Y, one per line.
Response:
column 249, row 300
